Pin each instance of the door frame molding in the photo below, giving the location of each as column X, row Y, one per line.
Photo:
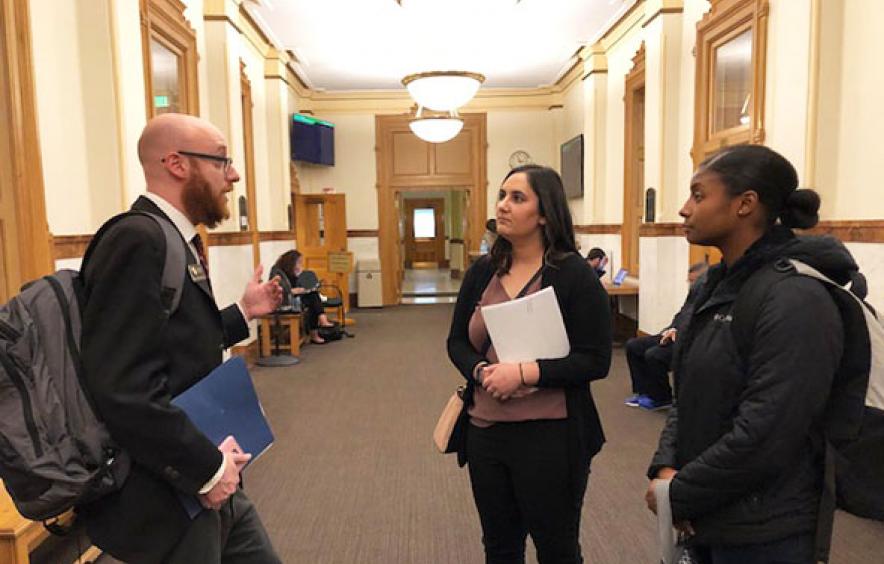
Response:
column 438, row 206
column 476, row 183
column 34, row 239
column 634, row 82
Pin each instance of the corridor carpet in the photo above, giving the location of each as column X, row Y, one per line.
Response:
column 354, row 478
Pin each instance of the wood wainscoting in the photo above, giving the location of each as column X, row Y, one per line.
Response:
column 598, row 229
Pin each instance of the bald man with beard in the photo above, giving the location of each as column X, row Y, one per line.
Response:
column 136, row 359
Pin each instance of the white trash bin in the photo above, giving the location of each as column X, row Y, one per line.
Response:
column 368, row 283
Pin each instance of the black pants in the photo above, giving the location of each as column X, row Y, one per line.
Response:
column 793, row 550
column 232, row 535
column 649, row 367
column 311, row 304
column 522, row 484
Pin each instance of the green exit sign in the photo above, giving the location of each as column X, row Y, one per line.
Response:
column 160, row 101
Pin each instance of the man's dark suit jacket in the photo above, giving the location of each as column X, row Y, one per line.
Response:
column 135, row 361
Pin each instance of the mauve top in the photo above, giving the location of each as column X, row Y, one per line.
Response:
column 537, row 403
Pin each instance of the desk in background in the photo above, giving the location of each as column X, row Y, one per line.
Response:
column 623, row 327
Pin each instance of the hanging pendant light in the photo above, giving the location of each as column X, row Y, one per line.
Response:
column 436, row 128
column 443, row 90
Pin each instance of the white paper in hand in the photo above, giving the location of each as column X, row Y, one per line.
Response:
column 527, row 329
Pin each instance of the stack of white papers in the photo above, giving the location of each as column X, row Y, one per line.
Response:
column 527, row 329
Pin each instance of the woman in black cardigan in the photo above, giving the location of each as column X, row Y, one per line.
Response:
column 533, row 425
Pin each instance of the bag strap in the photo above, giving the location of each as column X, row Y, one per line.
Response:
column 174, row 264
column 751, row 296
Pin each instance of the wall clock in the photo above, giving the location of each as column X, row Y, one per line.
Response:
column 519, row 158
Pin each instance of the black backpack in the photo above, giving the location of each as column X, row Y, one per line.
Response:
column 55, row 452
column 854, row 419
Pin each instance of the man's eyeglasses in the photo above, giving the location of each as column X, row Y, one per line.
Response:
column 226, row 162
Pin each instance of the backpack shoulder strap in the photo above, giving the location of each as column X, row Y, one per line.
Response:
column 175, row 261
column 747, row 306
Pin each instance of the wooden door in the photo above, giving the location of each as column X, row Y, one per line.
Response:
column 424, row 243
column 321, row 228
column 634, row 163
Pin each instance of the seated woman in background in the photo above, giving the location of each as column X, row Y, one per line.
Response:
column 288, row 267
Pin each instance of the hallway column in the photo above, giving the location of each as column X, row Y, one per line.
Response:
column 663, row 86
column 272, row 213
column 664, row 259
column 595, row 87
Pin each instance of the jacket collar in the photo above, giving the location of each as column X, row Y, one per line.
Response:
column 158, row 206
column 723, row 283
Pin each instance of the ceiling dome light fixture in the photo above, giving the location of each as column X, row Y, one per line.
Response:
column 443, row 90
column 436, row 129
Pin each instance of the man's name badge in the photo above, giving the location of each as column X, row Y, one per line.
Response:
column 197, row 273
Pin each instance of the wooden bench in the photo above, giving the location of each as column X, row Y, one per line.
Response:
column 20, row 536
column 290, row 320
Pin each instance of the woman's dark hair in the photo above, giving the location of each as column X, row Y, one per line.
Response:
column 491, row 225
column 595, row 253
column 759, row 168
column 557, row 231
column 286, row 263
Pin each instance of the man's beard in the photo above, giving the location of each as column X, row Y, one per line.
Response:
column 201, row 204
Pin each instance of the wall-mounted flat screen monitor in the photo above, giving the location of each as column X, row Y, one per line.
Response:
column 312, row 140
column 572, row 167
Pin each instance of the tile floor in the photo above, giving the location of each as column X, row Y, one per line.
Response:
column 429, row 286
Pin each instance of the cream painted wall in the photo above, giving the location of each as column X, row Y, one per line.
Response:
column 664, row 264
column 273, row 203
column 254, row 70
column 76, row 101
column 851, row 116
column 786, row 81
column 511, row 130
column 355, row 170
column 129, row 72
column 663, row 113
column 620, row 58
column 675, row 197
column 595, row 161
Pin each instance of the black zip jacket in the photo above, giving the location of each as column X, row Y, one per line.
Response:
column 744, row 434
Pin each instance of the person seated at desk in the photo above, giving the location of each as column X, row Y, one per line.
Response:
column 650, row 357
column 288, row 267
column 598, row 260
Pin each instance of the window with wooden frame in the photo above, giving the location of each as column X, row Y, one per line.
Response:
column 170, row 58
column 731, row 54
column 731, row 61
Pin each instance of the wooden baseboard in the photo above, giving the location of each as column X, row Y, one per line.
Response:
column 248, row 351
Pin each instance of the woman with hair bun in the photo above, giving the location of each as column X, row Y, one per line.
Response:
column 742, row 444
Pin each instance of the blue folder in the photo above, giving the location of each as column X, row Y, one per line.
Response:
column 224, row 403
